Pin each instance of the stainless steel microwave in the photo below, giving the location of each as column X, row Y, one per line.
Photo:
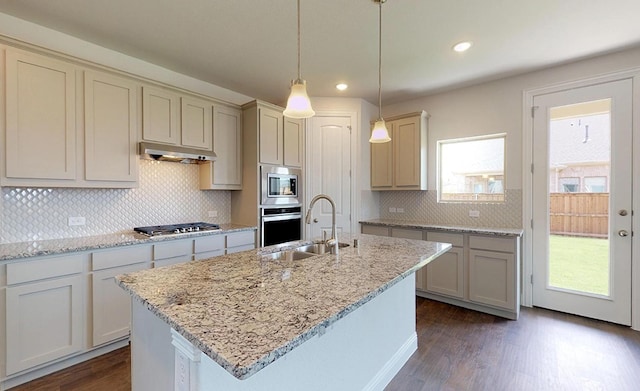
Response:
column 280, row 185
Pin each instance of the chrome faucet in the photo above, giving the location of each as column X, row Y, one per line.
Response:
column 333, row 240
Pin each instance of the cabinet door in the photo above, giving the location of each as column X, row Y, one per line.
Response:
column 111, row 305
column 492, row 278
column 110, row 128
column 293, row 138
column 160, row 115
column 55, row 304
column 445, row 275
column 196, row 127
column 226, row 171
column 270, row 135
column 40, row 118
column 382, row 165
column 406, row 145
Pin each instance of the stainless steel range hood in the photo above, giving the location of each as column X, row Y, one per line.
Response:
column 174, row 153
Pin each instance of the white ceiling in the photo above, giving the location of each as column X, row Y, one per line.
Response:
column 249, row 46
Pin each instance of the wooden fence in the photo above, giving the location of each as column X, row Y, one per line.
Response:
column 579, row 214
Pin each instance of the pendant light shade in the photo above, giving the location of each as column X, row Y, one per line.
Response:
column 380, row 134
column 298, row 104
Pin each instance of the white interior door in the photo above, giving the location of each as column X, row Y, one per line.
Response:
column 329, row 173
column 582, row 181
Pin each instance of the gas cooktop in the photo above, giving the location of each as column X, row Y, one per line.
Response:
column 173, row 229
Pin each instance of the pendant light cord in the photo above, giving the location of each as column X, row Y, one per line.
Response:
column 298, row 39
column 379, row 59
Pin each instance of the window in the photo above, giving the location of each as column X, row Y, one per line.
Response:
column 569, row 185
column 471, row 169
column 595, row 184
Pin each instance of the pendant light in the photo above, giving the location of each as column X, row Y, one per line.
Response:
column 380, row 134
column 298, row 104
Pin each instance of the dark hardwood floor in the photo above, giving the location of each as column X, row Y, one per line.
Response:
column 460, row 349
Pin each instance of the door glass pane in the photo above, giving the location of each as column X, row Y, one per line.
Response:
column 579, row 169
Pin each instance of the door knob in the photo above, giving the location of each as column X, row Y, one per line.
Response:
column 623, row 233
column 622, row 212
column 315, row 220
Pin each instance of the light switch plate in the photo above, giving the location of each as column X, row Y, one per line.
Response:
column 77, row 220
column 474, row 213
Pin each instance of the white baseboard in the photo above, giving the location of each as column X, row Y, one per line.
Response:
column 393, row 366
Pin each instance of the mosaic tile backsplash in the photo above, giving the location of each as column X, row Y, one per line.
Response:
column 168, row 193
column 423, row 206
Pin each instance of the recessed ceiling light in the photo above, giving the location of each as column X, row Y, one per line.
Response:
column 462, row 46
column 342, row 86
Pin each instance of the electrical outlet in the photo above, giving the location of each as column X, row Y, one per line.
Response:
column 213, row 213
column 77, row 220
column 474, row 213
column 392, row 210
column 400, row 210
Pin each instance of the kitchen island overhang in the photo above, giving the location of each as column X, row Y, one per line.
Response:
column 246, row 312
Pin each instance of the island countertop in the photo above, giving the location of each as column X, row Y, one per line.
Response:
column 246, row 310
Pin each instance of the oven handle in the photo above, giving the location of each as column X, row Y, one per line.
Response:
column 282, row 217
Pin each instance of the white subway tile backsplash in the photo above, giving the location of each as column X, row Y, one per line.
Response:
column 168, row 193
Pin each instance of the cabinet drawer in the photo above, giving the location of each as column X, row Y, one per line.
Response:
column 208, row 243
column 121, row 257
column 241, row 239
column 456, row 240
column 231, row 250
column 209, row 254
column 41, row 269
column 375, row 230
column 172, row 249
column 506, row 245
column 406, row 233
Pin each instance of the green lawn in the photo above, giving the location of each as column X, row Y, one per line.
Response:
column 579, row 264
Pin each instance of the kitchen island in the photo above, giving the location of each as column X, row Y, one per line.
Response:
column 247, row 321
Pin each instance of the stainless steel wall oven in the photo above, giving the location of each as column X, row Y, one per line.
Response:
column 280, row 225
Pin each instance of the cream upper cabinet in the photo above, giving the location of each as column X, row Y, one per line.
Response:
column 381, row 166
column 40, row 139
column 401, row 164
column 280, row 139
column 160, row 115
column 225, row 173
column 111, row 128
column 195, row 115
column 293, row 139
column 271, row 136
column 172, row 118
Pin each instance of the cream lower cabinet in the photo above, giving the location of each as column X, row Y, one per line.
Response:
column 480, row 272
column 240, row 241
column 225, row 173
column 492, row 272
column 445, row 275
column 172, row 252
column 111, row 314
column 208, row 246
column 45, row 311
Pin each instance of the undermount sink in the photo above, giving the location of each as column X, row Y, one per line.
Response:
column 319, row 248
column 289, row 255
column 302, row 252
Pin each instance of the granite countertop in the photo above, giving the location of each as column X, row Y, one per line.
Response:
column 445, row 228
column 246, row 310
column 12, row 251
